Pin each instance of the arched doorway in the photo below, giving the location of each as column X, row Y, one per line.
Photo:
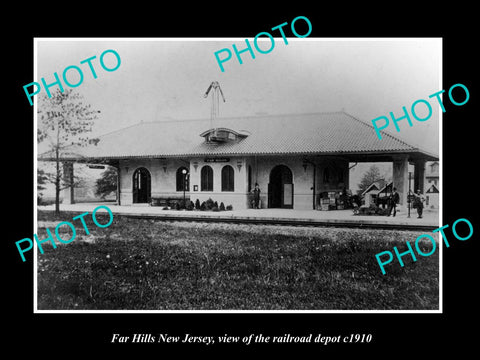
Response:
column 141, row 186
column 280, row 188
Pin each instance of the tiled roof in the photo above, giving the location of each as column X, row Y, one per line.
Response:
column 316, row 133
column 372, row 187
column 432, row 189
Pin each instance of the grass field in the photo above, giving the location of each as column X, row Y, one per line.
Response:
column 156, row 265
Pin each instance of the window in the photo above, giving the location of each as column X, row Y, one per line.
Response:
column 206, row 181
column 182, row 175
column 228, row 182
column 221, row 133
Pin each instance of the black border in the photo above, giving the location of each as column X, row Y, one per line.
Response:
column 406, row 334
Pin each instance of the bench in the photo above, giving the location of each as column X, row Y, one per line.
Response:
column 167, row 200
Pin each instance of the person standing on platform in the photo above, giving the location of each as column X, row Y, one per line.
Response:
column 394, row 199
column 418, row 203
column 256, row 196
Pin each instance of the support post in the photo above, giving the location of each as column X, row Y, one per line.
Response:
column 409, row 191
column 419, row 176
column 400, row 177
column 118, row 184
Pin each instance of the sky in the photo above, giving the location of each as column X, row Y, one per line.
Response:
column 165, row 79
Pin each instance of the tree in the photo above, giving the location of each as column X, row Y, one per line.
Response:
column 372, row 175
column 42, row 179
column 107, row 183
column 63, row 121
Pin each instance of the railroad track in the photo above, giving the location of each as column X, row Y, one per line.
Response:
column 285, row 222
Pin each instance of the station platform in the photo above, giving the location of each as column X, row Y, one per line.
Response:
column 340, row 218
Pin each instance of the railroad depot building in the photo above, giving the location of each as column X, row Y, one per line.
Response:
column 295, row 159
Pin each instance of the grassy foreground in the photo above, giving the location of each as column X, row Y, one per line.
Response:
column 156, row 265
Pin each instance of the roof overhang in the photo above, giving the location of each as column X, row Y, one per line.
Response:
column 348, row 156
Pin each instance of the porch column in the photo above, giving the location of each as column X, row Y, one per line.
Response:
column 119, row 185
column 419, row 176
column 68, row 193
column 400, row 177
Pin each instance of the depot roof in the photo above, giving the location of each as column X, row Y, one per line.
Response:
column 334, row 133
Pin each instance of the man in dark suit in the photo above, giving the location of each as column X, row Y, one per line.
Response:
column 418, row 202
column 256, row 196
column 394, row 199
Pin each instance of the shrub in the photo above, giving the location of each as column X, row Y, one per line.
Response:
column 215, row 204
column 189, row 206
column 222, row 206
column 209, row 204
column 229, row 207
column 215, row 208
column 203, row 207
column 197, row 204
column 179, row 205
